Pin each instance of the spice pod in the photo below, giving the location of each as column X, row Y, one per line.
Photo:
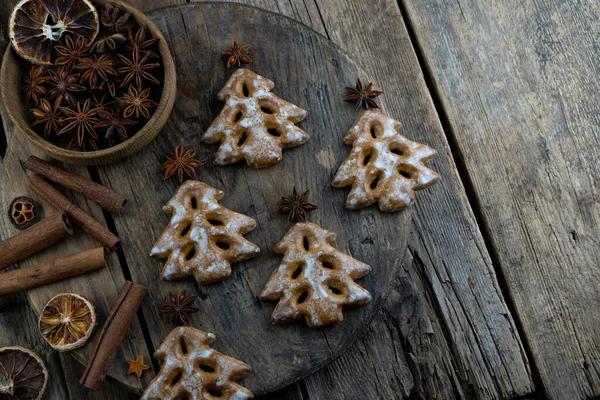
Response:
column 11, row 85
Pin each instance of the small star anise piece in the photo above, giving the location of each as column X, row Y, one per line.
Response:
column 114, row 19
column 108, row 43
column 180, row 162
column 71, row 51
column 114, row 124
column 34, row 84
column 136, row 103
column 140, row 42
column 178, row 308
column 62, row 84
column 137, row 68
column 50, row 115
column 82, row 119
column 102, row 103
column 238, row 54
column 296, row 206
column 95, row 68
column 362, row 96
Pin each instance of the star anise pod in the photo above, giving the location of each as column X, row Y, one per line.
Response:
column 136, row 103
column 82, row 119
column 178, row 308
column 140, row 42
column 137, row 68
column 50, row 115
column 238, row 54
column 362, row 96
column 101, row 103
column 108, row 43
column 114, row 124
column 71, row 51
column 34, row 84
column 296, row 206
column 62, row 84
column 95, row 68
column 180, row 162
column 114, row 19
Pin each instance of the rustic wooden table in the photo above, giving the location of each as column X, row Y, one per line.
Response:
column 499, row 292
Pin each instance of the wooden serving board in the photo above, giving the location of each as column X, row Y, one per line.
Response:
column 308, row 70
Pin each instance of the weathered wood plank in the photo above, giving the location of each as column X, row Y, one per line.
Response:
column 519, row 84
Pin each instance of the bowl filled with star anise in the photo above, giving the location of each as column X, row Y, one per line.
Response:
column 87, row 81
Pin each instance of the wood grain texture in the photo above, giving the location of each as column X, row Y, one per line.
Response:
column 307, row 70
column 519, row 84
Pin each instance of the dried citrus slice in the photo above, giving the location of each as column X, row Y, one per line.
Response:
column 36, row 25
column 23, row 374
column 67, row 321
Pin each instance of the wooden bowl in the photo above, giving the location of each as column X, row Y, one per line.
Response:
column 11, row 78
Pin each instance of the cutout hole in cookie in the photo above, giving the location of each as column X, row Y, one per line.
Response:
column 206, row 368
column 237, row 117
column 242, row 139
column 306, row 243
column 245, row 90
column 214, row 392
column 223, row 245
column 190, row 254
column 298, row 271
column 397, row 150
column 176, row 378
column 265, row 108
column 183, row 346
column 327, row 265
column 328, row 262
column 185, row 230
column 214, row 222
column 302, row 297
column 193, row 203
column 367, row 159
column 183, row 396
column 405, row 173
column 334, row 290
column 375, row 182
column 273, row 132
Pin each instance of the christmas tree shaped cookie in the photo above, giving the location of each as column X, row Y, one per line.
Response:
column 254, row 124
column 192, row 370
column 314, row 279
column 203, row 238
column 383, row 167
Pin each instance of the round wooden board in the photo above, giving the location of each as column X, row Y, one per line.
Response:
column 310, row 71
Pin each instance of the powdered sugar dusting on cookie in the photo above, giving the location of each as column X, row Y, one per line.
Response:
column 314, row 280
column 203, row 238
column 254, row 125
column 383, row 167
column 191, row 367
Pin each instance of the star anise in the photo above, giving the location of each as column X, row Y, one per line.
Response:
column 362, row 96
column 180, row 162
column 34, row 84
column 238, row 54
column 141, row 43
column 137, row 68
column 296, row 206
column 71, row 51
column 114, row 19
column 178, row 308
column 114, row 123
column 49, row 115
column 62, row 84
column 82, row 119
column 101, row 103
column 95, row 67
column 136, row 103
column 108, row 43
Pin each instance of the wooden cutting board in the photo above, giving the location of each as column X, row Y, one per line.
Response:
column 308, row 70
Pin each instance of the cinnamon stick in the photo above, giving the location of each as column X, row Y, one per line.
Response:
column 85, row 221
column 34, row 239
column 51, row 271
column 112, row 335
column 99, row 194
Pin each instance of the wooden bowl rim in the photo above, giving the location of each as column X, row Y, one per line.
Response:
column 169, row 81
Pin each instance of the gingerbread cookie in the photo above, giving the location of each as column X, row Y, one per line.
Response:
column 314, row 279
column 194, row 371
column 203, row 238
column 383, row 167
column 254, row 124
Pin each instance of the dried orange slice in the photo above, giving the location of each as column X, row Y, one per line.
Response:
column 23, row 374
column 67, row 321
column 37, row 25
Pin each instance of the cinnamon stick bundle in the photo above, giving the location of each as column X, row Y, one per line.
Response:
column 99, row 194
column 51, row 271
column 85, row 221
column 112, row 335
column 34, row 239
